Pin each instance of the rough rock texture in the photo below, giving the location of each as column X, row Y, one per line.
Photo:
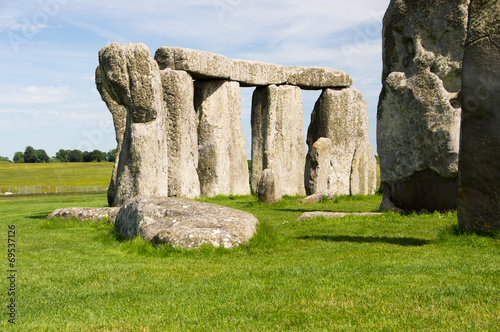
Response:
column 419, row 109
column 86, row 213
column 334, row 215
column 182, row 134
column 278, row 137
column 320, row 172
column 316, row 198
column 222, row 166
column 364, row 170
column 119, row 113
column 341, row 116
column 268, row 191
column 184, row 223
column 479, row 169
column 132, row 79
column 201, row 64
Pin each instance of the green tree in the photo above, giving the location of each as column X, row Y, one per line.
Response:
column 42, row 156
column 4, row 158
column 75, row 156
column 18, row 157
column 98, row 156
column 62, row 155
column 111, row 155
column 87, row 157
column 30, row 155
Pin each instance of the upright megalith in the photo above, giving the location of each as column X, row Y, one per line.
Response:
column 278, row 137
column 222, row 165
column 132, row 79
column 340, row 116
column 182, row 134
column 419, row 110
column 479, row 167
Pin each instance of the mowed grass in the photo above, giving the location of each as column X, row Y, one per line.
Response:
column 56, row 174
column 388, row 272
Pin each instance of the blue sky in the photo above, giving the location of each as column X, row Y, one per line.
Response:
column 48, row 55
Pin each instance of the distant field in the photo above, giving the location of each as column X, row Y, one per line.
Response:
column 58, row 174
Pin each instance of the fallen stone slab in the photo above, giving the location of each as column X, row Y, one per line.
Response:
column 315, row 198
column 207, row 65
column 86, row 213
column 184, row 223
column 334, row 215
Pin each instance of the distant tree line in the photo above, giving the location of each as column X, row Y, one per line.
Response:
column 31, row 155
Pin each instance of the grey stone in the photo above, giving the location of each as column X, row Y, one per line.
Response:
column 317, row 78
column 316, row 198
column 340, row 115
column 257, row 73
column 222, row 165
column 200, row 64
column 278, row 137
column 119, row 114
column 182, row 135
column 479, row 168
column 320, row 173
column 184, row 223
column 418, row 125
column 207, row 65
column 132, row 79
column 86, row 213
column 364, row 170
column 268, row 191
column 334, row 215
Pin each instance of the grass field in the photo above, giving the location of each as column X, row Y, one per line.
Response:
column 389, row 272
column 56, row 174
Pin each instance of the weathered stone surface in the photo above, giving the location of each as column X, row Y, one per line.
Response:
column 334, row 215
column 86, row 213
column 184, row 223
column 479, row 169
column 320, row 173
column 182, row 135
column 119, row 113
column 222, row 166
column 316, row 78
column 364, row 170
column 132, row 79
column 257, row 73
column 419, row 108
column 341, row 116
column 207, row 65
column 200, row 64
column 316, row 198
column 278, row 137
column 268, row 191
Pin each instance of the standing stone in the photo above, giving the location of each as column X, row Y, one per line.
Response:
column 182, row 135
column 419, row 108
column 119, row 113
column 132, row 79
column 340, row 115
column 363, row 172
column 278, row 137
column 321, row 175
column 479, row 170
column 222, row 165
column 268, row 191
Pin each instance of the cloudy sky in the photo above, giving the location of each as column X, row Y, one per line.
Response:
column 48, row 55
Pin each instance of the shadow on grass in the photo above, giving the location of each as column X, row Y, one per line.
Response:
column 39, row 216
column 401, row 241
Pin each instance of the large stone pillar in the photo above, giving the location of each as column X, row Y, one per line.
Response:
column 222, row 165
column 132, row 79
column 340, row 160
column 182, row 134
column 278, row 137
column 419, row 108
column 479, row 168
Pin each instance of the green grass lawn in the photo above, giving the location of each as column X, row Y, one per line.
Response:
column 388, row 272
column 56, row 174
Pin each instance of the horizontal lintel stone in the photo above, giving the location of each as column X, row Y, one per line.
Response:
column 203, row 65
